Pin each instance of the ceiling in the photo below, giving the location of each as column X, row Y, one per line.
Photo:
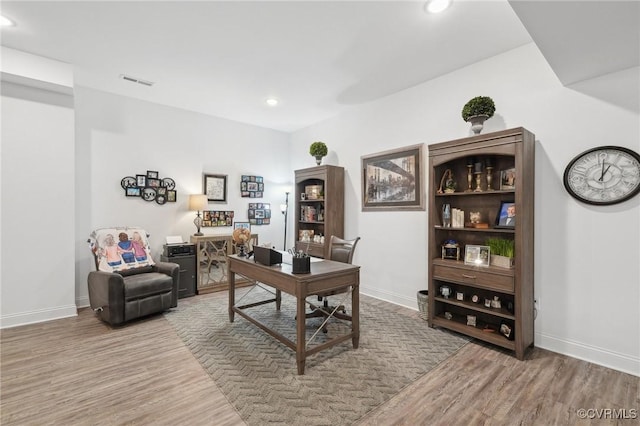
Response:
column 317, row 58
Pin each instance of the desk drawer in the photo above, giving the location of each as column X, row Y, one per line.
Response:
column 498, row 282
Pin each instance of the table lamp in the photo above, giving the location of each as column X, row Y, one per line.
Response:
column 197, row 203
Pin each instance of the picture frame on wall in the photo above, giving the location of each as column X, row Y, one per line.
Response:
column 141, row 180
column 393, row 180
column 215, row 188
column 152, row 174
column 251, row 186
column 133, row 191
column 172, row 195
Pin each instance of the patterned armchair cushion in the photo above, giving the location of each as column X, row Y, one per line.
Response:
column 120, row 249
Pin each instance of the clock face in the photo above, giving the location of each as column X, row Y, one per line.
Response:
column 603, row 175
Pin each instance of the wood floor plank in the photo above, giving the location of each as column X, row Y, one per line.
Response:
column 80, row 371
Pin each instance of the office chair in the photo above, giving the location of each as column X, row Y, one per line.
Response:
column 340, row 251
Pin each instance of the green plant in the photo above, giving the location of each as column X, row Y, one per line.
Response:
column 501, row 246
column 318, row 149
column 480, row 105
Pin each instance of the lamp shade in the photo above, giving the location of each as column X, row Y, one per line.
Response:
column 198, row 202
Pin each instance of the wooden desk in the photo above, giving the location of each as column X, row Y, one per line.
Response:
column 211, row 259
column 325, row 276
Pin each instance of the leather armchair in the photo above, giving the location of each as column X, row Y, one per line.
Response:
column 118, row 297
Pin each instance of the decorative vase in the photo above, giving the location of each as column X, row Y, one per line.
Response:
column 477, row 122
column 423, row 304
column 318, row 159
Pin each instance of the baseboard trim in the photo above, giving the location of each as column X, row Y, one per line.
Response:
column 606, row 358
column 82, row 302
column 42, row 315
column 391, row 297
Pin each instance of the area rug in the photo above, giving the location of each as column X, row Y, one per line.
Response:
column 258, row 374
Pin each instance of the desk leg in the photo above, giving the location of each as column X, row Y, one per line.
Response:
column 232, row 293
column 355, row 315
column 301, row 350
column 278, row 299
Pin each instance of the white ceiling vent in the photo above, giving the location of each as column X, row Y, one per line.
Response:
column 136, row 80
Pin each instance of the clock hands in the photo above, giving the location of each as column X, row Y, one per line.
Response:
column 604, row 171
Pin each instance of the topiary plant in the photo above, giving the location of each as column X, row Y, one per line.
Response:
column 480, row 105
column 318, row 149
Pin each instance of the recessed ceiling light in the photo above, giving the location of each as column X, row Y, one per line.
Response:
column 272, row 102
column 6, row 22
column 437, row 6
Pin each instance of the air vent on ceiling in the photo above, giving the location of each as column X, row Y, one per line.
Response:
column 136, row 80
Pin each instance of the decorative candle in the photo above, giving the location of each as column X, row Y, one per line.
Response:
column 488, row 162
column 478, row 167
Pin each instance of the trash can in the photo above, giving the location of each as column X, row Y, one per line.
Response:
column 423, row 303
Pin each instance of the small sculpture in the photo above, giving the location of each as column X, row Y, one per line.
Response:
column 474, row 217
column 447, row 182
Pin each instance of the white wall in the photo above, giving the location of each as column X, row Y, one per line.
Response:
column 37, row 225
column 586, row 258
column 118, row 137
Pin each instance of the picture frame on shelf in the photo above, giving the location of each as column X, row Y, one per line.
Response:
column 392, row 180
column 506, row 217
column 477, row 255
column 508, row 179
column 215, row 188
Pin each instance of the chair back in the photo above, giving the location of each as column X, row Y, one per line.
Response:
column 342, row 250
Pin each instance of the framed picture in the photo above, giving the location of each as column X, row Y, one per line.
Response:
column 172, row 195
column 152, row 174
column 506, row 215
column 211, row 218
column 245, row 225
column 153, row 182
column 141, row 180
column 393, row 180
column 251, row 186
column 476, row 255
column 215, row 187
column 132, row 191
column 259, row 213
column 161, row 190
column 508, row 179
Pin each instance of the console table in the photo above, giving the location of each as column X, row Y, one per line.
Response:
column 325, row 276
column 211, row 257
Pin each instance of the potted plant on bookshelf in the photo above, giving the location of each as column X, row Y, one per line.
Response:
column 318, row 150
column 502, row 252
column 477, row 111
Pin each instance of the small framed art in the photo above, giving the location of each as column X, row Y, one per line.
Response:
column 476, row 255
column 215, row 187
column 508, row 179
column 245, row 225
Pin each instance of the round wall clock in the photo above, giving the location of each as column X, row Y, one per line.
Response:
column 603, row 175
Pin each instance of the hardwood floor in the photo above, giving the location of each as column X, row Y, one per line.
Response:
column 79, row 371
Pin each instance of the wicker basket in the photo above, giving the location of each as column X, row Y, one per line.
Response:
column 423, row 303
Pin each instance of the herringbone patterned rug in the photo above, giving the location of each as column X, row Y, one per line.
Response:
column 258, row 374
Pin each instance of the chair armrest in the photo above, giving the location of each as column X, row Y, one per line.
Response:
column 173, row 270
column 106, row 294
